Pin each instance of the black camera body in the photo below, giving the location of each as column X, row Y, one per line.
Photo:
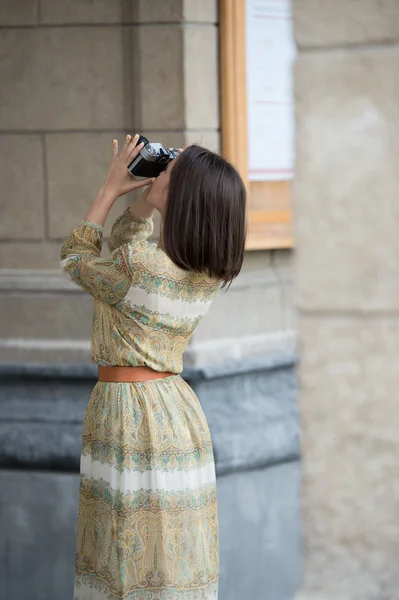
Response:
column 152, row 159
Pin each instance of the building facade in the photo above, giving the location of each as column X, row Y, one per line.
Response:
column 74, row 75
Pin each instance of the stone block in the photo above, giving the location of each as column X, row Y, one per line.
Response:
column 77, row 166
column 23, row 12
column 172, row 11
column 76, row 11
column 283, row 264
column 30, row 255
column 39, row 316
column 208, row 139
column 156, row 11
column 68, row 78
column 130, row 11
column 260, row 307
column 157, row 78
column 349, row 377
column 250, row 406
column 347, row 179
column 252, row 413
column 256, row 288
column 289, row 307
column 205, row 11
column 201, row 77
column 328, row 23
column 212, row 353
column 44, row 352
column 258, row 511
column 170, row 139
column 22, row 196
column 38, row 521
column 257, row 263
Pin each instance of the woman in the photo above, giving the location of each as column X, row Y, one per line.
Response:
column 148, row 521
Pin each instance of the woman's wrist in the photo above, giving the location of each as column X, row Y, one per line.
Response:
column 107, row 195
column 141, row 208
column 101, row 206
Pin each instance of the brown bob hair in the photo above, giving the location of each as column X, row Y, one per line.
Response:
column 204, row 228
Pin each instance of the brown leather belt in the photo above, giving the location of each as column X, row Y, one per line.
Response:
column 130, row 374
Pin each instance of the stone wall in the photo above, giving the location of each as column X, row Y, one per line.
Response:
column 73, row 75
column 347, row 88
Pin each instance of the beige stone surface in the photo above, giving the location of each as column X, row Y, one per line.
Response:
column 22, row 12
column 256, row 263
column 260, row 300
column 77, row 166
column 22, row 188
column 205, row 11
column 43, row 316
column 62, row 78
column 349, row 377
column 201, row 79
column 258, row 291
column 327, row 23
column 172, row 11
column 158, row 78
column 347, row 180
column 208, row 139
column 211, row 352
column 289, row 307
column 170, row 139
column 30, row 255
column 283, row 261
column 283, row 266
column 156, row 11
column 56, row 12
column 36, row 351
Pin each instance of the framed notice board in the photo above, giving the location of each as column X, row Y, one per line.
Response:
column 257, row 51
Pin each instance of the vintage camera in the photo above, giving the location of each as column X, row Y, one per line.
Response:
column 152, row 159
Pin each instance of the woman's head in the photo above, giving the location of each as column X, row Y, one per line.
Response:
column 202, row 200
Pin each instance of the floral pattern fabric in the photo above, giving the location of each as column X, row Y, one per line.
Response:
column 148, row 520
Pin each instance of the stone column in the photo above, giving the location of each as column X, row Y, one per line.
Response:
column 347, row 215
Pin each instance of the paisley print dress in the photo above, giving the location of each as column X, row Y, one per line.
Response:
column 148, row 520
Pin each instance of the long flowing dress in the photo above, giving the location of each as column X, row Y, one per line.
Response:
column 148, row 520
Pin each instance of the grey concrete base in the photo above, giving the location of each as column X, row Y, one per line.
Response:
column 259, row 534
column 38, row 521
column 251, row 411
column 258, row 523
column 250, row 407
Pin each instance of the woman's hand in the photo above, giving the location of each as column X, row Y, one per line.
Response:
column 119, row 181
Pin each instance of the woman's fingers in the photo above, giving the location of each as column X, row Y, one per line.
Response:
column 128, row 139
column 130, row 148
column 114, row 148
column 134, row 151
column 132, row 143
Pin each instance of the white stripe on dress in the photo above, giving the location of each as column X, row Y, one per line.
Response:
column 63, row 264
column 152, row 479
column 166, row 306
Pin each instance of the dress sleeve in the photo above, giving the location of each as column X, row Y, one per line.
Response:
column 127, row 228
column 105, row 278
